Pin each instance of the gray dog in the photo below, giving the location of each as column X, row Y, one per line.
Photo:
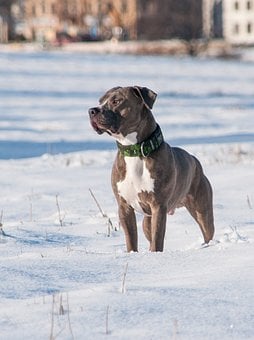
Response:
column 148, row 175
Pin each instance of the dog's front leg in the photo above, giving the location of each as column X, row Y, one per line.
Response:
column 128, row 222
column 159, row 217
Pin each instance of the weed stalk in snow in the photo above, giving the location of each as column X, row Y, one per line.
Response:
column 249, row 202
column 175, row 329
column 109, row 222
column 61, row 312
column 97, row 203
column 61, row 309
column 59, row 212
column 107, row 318
column 1, row 223
column 31, row 211
column 51, row 337
column 124, row 279
column 68, row 315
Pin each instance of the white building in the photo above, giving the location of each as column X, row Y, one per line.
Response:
column 232, row 20
column 238, row 21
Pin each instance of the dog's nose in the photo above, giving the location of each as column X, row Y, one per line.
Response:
column 93, row 111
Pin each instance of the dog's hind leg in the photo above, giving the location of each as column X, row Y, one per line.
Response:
column 200, row 207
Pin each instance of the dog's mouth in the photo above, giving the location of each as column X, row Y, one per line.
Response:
column 101, row 128
column 96, row 127
column 107, row 121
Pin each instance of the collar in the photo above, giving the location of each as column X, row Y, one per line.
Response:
column 145, row 148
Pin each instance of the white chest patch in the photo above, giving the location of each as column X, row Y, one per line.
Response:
column 131, row 138
column 137, row 179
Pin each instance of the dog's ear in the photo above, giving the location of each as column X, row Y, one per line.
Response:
column 107, row 94
column 147, row 95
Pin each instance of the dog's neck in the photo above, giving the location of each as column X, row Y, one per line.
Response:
column 142, row 132
column 143, row 149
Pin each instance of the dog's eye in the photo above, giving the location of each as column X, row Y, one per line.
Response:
column 116, row 101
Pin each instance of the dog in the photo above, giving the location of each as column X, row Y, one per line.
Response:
column 148, row 175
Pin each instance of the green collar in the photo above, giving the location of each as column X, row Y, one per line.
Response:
column 145, row 148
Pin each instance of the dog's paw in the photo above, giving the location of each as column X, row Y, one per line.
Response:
column 209, row 244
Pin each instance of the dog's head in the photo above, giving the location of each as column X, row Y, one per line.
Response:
column 121, row 110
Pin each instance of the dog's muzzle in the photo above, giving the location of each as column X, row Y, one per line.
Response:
column 93, row 114
column 104, row 120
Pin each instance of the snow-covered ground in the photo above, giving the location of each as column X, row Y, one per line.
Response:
column 64, row 273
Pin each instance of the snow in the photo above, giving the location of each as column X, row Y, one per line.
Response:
column 75, row 280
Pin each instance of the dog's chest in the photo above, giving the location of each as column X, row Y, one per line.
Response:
column 137, row 179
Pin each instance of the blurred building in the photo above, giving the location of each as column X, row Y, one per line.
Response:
column 6, row 22
column 41, row 20
column 166, row 19
column 145, row 19
column 119, row 19
column 232, row 20
column 212, row 19
column 82, row 20
column 111, row 19
column 238, row 21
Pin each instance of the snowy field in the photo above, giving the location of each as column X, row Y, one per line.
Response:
column 64, row 272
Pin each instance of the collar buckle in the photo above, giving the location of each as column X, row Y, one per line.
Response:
column 145, row 152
